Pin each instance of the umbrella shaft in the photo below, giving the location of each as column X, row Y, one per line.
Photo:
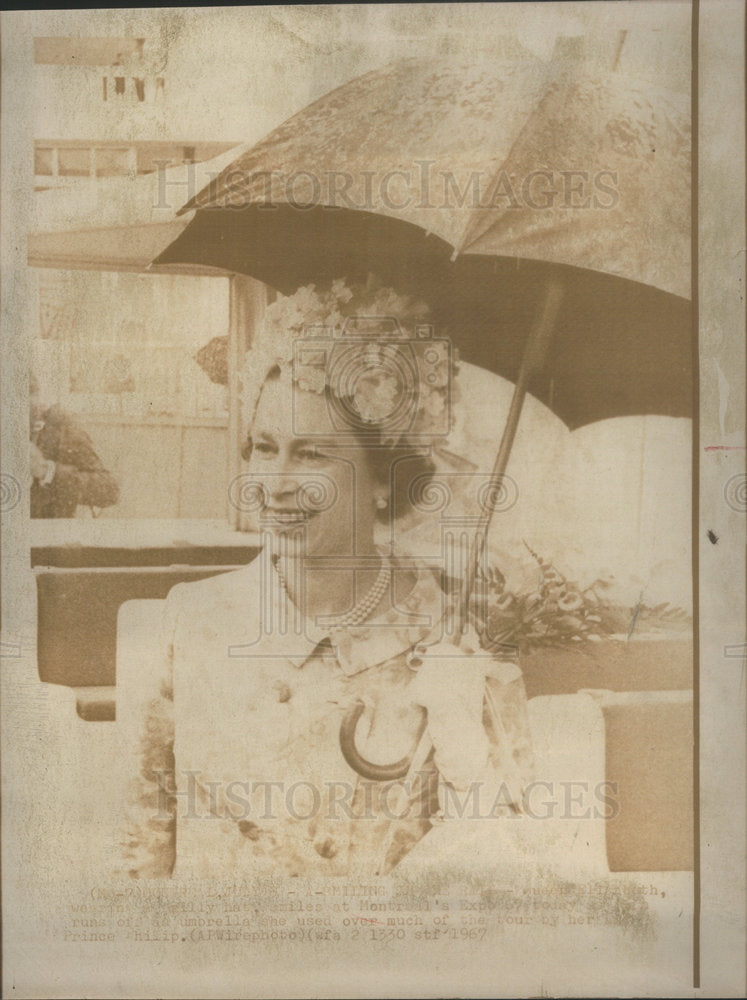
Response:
column 532, row 361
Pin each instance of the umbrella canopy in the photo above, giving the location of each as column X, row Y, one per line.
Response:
column 470, row 186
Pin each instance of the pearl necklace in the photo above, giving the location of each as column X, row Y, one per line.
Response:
column 360, row 611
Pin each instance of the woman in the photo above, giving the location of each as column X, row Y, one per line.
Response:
column 312, row 717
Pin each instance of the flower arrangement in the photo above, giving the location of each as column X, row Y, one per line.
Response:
column 558, row 612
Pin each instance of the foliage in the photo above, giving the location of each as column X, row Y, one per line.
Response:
column 559, row 612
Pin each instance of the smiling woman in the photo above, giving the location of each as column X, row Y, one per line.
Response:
column 291, row 685
column 291, row 468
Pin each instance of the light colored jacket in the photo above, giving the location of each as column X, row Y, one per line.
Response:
column 241, row 769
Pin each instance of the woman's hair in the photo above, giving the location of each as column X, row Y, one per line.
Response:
column 398, row 476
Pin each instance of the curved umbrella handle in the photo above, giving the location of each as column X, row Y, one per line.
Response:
column 366, row 769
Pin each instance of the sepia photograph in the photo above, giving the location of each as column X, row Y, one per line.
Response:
column 373, row 500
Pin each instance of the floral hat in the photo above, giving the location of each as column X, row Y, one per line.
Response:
column 402, row 382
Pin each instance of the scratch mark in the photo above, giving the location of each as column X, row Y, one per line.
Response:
column 636, row 612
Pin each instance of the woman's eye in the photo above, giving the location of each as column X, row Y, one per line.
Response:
column 263, row 448
column 310, row 453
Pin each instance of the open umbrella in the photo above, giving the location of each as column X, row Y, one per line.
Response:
column 472, row 186
column 543, row 211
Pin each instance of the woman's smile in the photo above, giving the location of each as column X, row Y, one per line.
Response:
column 285, row 517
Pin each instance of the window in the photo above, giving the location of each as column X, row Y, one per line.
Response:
column 44, row 161
column 74, row 161
column 112, row 162
column 119, row 352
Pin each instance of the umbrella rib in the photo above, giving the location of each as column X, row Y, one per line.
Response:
column 473, row 229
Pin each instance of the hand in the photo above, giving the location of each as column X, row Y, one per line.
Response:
column 37, row 461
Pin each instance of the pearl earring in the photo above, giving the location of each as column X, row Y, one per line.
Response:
column 381, row 503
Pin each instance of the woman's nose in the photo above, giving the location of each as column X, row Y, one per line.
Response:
column 280, row 483
column 281, row 487
column 273, row 474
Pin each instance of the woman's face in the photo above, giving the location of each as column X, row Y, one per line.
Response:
column 319, row 487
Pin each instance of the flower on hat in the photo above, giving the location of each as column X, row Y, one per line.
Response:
column 385, row 321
